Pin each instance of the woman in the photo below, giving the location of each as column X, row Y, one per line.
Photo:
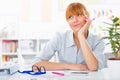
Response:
column 77, row 49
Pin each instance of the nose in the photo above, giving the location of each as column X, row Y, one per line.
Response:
column 74, row 19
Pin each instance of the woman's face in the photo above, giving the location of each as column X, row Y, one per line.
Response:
column 76, row 22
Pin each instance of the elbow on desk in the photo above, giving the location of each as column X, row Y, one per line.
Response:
column 94, row 68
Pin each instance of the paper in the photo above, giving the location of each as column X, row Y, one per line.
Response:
column 69, row 72
column 19, row 76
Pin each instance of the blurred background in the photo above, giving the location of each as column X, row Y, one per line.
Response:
column 40, row 19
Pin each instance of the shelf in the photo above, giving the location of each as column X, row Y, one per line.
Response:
column 28, row 53
column 12, row 50
column 9, row 53
column 8, row 63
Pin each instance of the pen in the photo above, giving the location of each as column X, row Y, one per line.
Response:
column 79, row 72
column 58, row 73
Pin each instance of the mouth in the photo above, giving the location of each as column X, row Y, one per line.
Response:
column 76, row 25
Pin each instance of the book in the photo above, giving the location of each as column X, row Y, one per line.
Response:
column 8, row 70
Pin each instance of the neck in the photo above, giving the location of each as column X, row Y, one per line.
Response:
column 75, row 35
column 76, row 40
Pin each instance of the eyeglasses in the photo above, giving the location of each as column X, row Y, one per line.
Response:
column 38, row 69
column 35, row 70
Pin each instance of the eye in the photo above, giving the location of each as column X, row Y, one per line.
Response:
column 70, row 17
column 78, row 14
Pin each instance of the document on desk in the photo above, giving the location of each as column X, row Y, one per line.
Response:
column 18, row 76
column 82, row 73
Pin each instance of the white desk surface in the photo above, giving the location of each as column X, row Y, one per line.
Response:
column 99, row 75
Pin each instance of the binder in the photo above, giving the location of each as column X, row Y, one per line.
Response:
column 8, row 70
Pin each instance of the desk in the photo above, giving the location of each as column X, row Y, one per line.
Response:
column 99, row 75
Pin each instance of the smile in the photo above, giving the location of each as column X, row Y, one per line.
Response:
column 77, row 25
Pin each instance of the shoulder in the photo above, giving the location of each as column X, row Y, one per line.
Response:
column 63, row 34
column 60, row 36
column 95, row 39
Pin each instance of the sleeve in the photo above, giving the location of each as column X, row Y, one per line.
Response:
column 48, row 51
column 98, row 50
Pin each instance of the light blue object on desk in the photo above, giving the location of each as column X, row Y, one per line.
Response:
column 8, row 70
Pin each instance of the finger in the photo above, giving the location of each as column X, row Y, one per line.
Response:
column 88, row 22
column 35, row 68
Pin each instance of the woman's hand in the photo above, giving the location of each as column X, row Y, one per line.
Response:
column 84, row 29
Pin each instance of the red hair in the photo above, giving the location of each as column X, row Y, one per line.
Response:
column 75, row 8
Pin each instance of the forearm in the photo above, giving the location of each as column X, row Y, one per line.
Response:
column 90, row 59
column 52, row 65
column 61, row 66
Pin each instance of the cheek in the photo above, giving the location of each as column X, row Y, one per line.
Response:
column 70, row 24
column 83, row 22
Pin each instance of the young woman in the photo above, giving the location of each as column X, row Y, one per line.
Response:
column 77, row 48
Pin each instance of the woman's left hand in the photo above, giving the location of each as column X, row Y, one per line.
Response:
column 84, row 29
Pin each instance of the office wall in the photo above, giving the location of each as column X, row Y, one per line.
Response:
column 31, row 18
column 9, row 17
column 42, row 18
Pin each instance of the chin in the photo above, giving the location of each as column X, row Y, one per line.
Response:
column 76, row 30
